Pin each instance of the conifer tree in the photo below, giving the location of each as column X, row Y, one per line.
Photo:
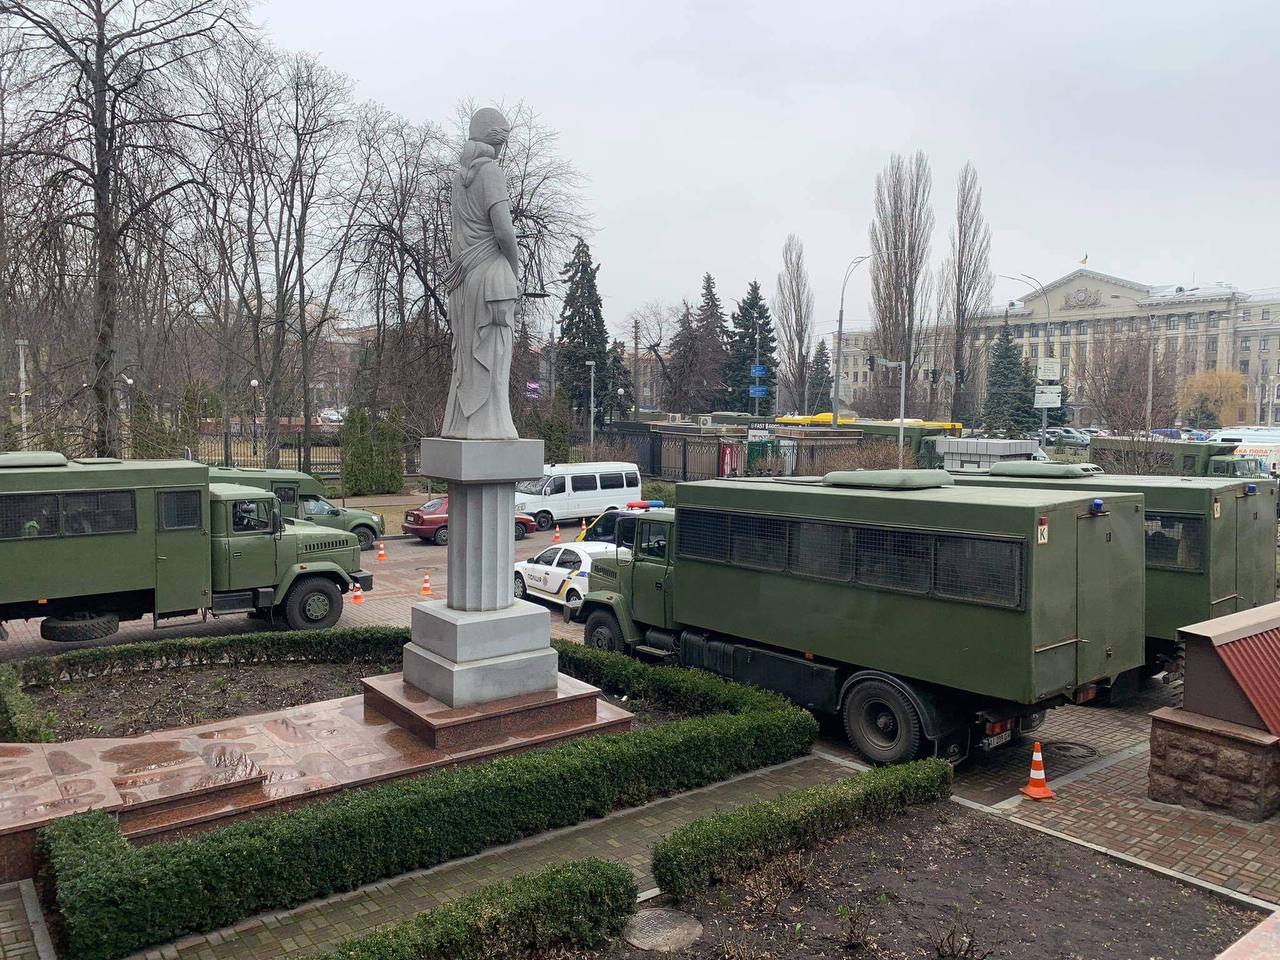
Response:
column 678, row 372
column 1009, row 407
column 751, row 321
column 583, row 335
column 819, row 392
column 618, row 377
column 711, row 339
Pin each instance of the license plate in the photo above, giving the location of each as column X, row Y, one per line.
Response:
column 999, row 740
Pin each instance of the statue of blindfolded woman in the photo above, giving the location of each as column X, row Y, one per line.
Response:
column 482, row 287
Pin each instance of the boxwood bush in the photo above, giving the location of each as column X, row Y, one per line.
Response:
column 114, row 898
column 724, row 846
column 20, row 721
column 579, row 904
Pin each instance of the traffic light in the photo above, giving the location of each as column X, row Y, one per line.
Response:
column 871, row 362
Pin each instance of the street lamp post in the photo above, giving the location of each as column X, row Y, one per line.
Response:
column 1151, row 354
column 621, row 408
column 835, row 382
column 591, row 412
column 22, row 387
column 874, row 361
column 1035, row 284
column 254, row 419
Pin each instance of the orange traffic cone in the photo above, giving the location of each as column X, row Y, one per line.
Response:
column 556, row 538
column 584, row 524
column 357, row 595
column 382, row 550
column 426, row 585
column 1037, row 787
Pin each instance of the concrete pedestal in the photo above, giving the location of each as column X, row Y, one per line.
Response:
column 1210, row 764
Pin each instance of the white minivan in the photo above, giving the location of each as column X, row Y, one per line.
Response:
column 569, row 491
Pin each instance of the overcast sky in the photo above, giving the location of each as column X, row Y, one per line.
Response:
column 1145, row 134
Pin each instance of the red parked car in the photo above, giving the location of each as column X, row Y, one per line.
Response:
column 430, row 522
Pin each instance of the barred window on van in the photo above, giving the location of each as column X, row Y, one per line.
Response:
column 106, row 511
column 896, row 559
column 759, row 542
column 28, row 515
column 703, row 535
column 180, row 510
column 977, row 569
column 821, row 550
column 1174, row 542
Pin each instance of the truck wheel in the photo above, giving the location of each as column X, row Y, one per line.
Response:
column 79, row 627
column 882, row 724
column 366, row 537
column 441, row 537
column 544, row 520
column 602, row 631
column 314, row 603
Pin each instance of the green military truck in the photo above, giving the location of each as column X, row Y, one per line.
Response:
column 87, row 543
column 1209, row 541
column 302, row 496
column 932, row 618
column 1174, row 458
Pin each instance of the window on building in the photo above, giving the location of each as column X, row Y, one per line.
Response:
column 1191, row 321
column 1035, row 351
column 1133, row 324
column 1266, row 316
column 1035, row 331
column 1065, row 350
column 1212, row 318
column 1247, row 315
column 1244, row 366
column 1244, row 343
column 1017, row 330
column 1080, row 356
column 1171, row 322
column 1266, row 343
column 1278, row 384
column 1211, row 344
column 1080, row 328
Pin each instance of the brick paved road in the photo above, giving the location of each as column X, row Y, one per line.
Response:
column 397, row 582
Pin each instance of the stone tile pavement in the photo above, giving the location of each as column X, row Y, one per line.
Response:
column 626, row 836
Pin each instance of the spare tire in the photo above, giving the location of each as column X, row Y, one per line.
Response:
column 79, row 627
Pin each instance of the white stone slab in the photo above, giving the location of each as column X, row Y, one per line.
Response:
column 479, row 681
column 464, row 635
column 481, row 461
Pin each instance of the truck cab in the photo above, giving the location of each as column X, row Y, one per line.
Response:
column 303, row 497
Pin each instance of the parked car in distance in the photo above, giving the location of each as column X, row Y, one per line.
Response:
column 559, row 573
column 571, row 491
column 1066, row 436
column 430, row 522
column 1094, row 431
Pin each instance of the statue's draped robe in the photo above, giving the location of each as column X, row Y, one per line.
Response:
column 482, row 300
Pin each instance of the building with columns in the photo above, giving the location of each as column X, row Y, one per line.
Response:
column 1208, row 326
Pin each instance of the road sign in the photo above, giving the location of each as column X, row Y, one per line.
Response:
column 753, row 434
column 1049, row 397
column 754, row 391
column 759, row 370
column 1048, row 369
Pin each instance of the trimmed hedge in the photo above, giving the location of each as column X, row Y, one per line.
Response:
column 578, row 904
column 20, row 721
column 341, row 645
column 114, row 898
column 722, row 847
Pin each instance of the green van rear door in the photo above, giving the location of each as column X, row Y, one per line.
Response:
column 182, row 551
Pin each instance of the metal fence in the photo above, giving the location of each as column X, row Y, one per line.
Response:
column 676, row 457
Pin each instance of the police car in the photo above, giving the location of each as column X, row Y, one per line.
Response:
column 558, row 574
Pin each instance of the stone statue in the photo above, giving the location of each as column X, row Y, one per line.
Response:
column 481, row 282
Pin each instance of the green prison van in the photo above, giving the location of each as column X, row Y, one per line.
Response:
column 302, row 496
column 932, row 618
column 89, row 542
column 1209, row 541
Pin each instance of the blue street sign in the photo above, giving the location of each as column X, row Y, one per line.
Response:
column 759, row 370
column 757, row 391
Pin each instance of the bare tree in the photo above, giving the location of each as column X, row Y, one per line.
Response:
column 793, row 311
column 965, row 287
column 115, row 102
column 1115, row 382
column 900, row 236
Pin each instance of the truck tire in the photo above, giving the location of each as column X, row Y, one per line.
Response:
column 79, row 627
column 313, row 603
column 882, row 724
column 366, row 536
column 603, row 631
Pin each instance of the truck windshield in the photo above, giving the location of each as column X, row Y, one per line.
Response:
column 251, row 516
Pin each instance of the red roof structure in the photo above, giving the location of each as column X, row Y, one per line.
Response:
column 1248, row 645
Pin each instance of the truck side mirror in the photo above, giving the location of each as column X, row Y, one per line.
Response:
column 277, row 523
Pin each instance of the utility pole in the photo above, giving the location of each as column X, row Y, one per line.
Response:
column 591, row 411
column 22, row 387
column 635, row 361
column 873, row 361
column 757, row 364
column 835, row 381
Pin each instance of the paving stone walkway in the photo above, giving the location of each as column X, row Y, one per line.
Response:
column 626, row 836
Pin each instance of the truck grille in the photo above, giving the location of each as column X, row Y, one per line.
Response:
column 323, row 546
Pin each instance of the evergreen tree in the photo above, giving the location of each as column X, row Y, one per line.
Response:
column 750, row 321
column 1202, row 416
column 583, row 335
column 678, row 371
column 712, row 336
column 1059, row 417
column 618, row 377
column 524, row 371
column 1009, row 407
column 820, row 382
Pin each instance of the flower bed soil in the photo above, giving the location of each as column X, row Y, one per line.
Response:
column 126, row 705
column 925, row 883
